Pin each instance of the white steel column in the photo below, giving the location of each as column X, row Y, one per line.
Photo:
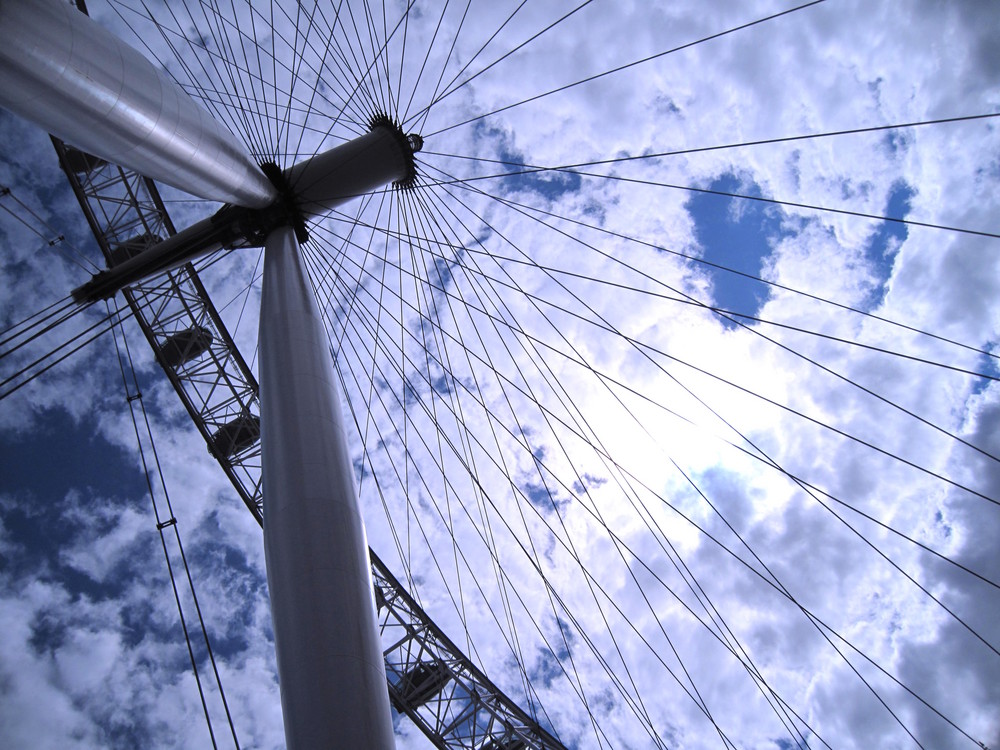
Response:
column 330, row 663
column 63, row 71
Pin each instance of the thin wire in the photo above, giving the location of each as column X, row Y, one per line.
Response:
column 622, row 67
column 419, row 401
column 742, row 144
column 493, row 458
column 525, row 43
column 99, row 328
column 130, row 398
column 647, row 349
column 465, row 181
column 53, row 239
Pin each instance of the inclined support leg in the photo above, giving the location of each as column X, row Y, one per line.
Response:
column 330, row 662
column 67, row 74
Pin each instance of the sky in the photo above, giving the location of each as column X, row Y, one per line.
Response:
column 677, row 457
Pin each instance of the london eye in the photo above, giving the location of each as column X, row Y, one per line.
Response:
column 667, row 361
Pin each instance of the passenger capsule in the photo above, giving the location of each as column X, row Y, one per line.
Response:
column 422, row 683
column 184, row 346
column 236, row 436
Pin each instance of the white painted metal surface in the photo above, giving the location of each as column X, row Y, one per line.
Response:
column 61, row 70
column 354, row 168
column 318, row 183
column 330, row 663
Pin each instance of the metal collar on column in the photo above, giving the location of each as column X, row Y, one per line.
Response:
column 309, row 189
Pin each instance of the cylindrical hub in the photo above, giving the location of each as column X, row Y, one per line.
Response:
column 63, row 71
column 357, row 167
column 330, row 663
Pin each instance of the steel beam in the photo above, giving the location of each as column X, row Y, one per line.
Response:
column 63, row 71
column 330, row 666
column 310, row 188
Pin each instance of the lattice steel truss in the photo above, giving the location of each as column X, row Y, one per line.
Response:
column 432, row 682
column 429, row 678
column 184, row 329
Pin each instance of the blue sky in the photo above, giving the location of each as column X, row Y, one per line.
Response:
column 738, row 235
